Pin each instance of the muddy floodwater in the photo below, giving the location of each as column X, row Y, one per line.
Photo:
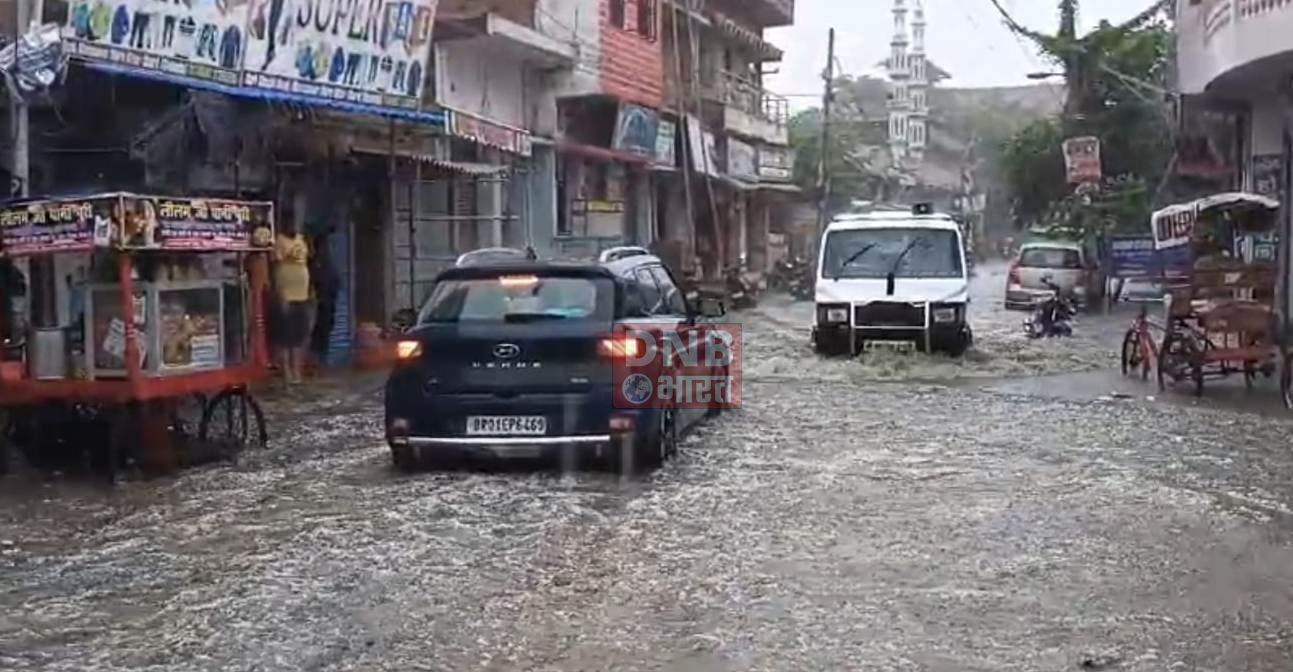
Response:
column 895, row 513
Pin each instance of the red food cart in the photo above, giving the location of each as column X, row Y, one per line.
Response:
column 150, row 325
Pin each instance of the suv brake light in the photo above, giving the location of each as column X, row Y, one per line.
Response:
column 1014, row 277
column 406, row 350
column 620, row 347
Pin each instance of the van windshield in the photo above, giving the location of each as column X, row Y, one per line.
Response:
column 909, row 253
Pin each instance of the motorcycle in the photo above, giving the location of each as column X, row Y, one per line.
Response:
column 1052, row 317
column 803, row 286
column 739, row 291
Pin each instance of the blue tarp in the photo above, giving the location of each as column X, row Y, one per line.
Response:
column 431, row 117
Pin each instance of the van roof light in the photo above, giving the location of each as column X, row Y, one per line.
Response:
column 922, row 209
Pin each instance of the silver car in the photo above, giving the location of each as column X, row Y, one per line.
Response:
column 1065, row 264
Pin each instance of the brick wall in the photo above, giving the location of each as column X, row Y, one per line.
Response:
column 632, row 65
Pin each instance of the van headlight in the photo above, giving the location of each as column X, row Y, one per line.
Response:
column 946, row 314
column 834, row 314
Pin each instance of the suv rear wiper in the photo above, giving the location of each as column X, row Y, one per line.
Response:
column 857, row 255
column 533, row 317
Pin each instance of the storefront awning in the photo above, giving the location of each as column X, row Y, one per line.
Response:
column 600, row 153
column 464, row 167
column 430, row 117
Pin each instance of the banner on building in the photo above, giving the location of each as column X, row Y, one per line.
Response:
column 374, row 52
column 491, row 134
column 1082, row 160
column 776, row 164
column 127, row 221
column 665, row 144
column 637, row 130
column 202, row 40
column 742, row 161
column 368, row 52
column 1268, row 175
column 703, row 148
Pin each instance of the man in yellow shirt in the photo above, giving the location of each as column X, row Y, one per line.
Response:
column 292, row 286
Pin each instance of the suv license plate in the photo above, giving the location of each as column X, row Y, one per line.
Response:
column 507, row 425
column 890, row 346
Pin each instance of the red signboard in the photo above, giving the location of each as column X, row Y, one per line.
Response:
column 485, row 132
column 1082, row 160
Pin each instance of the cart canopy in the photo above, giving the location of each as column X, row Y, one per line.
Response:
column 124, row 221
column 1175, row 225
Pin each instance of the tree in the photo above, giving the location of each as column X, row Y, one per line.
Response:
column 1115, row 78
column 858, row 123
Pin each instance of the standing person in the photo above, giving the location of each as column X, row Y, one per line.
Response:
column 292, row 284
column 327, row 284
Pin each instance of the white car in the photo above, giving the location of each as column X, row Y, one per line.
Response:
column 1064, row 264
column 892, row 279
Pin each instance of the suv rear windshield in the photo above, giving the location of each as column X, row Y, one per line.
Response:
column 1050, row 257
column 519, row 298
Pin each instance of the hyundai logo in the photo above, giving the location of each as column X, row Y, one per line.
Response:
column 507, row 351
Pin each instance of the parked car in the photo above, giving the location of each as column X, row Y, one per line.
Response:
column 515, row 359
column 1067, row 265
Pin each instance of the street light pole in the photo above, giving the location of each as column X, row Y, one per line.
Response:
column 823, row 162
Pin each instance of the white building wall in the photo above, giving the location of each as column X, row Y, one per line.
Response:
column 577, row 22
column 474, row 80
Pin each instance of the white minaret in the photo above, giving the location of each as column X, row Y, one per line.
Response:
column 918, row 89
column 900, row 74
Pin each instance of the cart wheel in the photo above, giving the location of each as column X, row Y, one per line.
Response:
column 6, row 441
column 234, row 420
column 124, row 429
column 1286, row 381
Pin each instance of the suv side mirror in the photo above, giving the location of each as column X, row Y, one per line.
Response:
column 710, row 308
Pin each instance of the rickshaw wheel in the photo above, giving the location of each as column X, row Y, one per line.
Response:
column 1130, row 352
column 1168, row 360
column 234, row 420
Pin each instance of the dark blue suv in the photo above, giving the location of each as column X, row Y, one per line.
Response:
column 514, row 358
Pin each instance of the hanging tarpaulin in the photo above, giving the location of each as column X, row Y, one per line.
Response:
column 1082, row 160
column 367, row 52
column 35, row 62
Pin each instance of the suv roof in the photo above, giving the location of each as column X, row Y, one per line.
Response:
column 618, row 264
column 887, row 220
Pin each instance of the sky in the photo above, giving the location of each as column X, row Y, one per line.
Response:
column 964, row 37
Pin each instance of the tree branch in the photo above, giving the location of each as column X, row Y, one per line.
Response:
column 1016, row 27
column 1145, row 16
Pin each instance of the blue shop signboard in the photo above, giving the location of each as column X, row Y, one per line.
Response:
column 1134, row 257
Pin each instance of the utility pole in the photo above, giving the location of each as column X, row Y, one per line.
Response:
column 823, row 163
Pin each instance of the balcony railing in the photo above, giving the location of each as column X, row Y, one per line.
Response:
column 752, row 99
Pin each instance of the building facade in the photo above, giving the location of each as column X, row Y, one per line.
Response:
column 728, row 191
column 1235, row 71
column 909, row 72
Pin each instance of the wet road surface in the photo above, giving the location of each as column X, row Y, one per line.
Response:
column 877, row 515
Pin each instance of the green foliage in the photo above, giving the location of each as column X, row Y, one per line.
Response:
column 1106, row 71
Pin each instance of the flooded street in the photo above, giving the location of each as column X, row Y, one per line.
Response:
column 890, row 514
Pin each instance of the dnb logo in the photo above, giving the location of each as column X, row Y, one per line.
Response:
column 665, row 366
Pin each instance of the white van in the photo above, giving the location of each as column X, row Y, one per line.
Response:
column 892, row 280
